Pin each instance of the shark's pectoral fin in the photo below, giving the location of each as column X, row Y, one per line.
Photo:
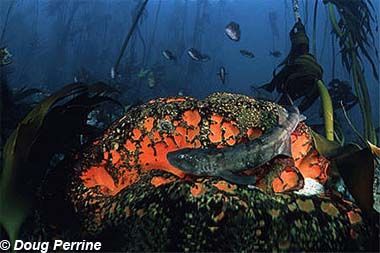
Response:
column 238, row 179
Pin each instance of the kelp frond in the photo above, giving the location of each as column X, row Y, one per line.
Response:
column 50, row 128
column 356, row 39
column 355, row 31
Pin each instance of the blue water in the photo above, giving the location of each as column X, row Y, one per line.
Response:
column 51, row 40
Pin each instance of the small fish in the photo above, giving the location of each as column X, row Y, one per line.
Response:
column 180, row 93
column 232, row 31
column 197, row 56
column 247, row 53
column 143, row 73
column 226, row 162
column 275, row 53
column 151, row 80
column 222, row 74
column 5, row 56
column 169, row 55
column 113, row 73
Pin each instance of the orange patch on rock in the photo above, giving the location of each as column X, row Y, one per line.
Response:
column 230, row 129
column 231, row 141
column 148, row 124
column 254, row 133
column 215, row 135
column 215, row 118
column 130, row 146
column 171, row 100
column 287, row 180
column 192, row 118
column 198, row 189
column 225, row 186
column 180, row 135
column 354, row 217
column 307, row 159
column 128, row 178
column 192, row 133
column 136, row 134
column 116, row 158
column 158, row 180
column 156, row 136
column 311, row 167
column 98, row 176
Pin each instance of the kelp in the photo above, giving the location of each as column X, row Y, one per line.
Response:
column 314, row 50
column 354, row 164
column 52, row 127
column 327, row 108
column 128, row 37
column 356, row 38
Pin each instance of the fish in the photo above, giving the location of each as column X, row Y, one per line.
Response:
column 151, row 80
column 232, row 31
column 169, row 55
column 5, row 56
column 226, row 162
column 222, row 74
column 197, row 56
column 143, row 73
column 247, row 53
column 275, row 53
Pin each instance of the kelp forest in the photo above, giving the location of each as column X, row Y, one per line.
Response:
column 204, row 125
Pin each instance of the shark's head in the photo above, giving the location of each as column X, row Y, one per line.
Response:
column 184, row 159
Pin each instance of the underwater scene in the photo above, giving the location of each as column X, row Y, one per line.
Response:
column 189, row 125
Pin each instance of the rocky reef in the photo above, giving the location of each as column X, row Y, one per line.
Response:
column 126, row 194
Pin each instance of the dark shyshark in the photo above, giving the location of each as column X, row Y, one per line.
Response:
column 229, row 161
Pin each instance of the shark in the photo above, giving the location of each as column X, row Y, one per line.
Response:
column 228, row 162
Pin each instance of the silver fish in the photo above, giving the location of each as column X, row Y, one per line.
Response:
column 197, row 56
column 194, row 54
column 275, row 53
column 232, row 31
column 226, row 162
column 222, row 74
column 247, row 53
column 168, row 55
